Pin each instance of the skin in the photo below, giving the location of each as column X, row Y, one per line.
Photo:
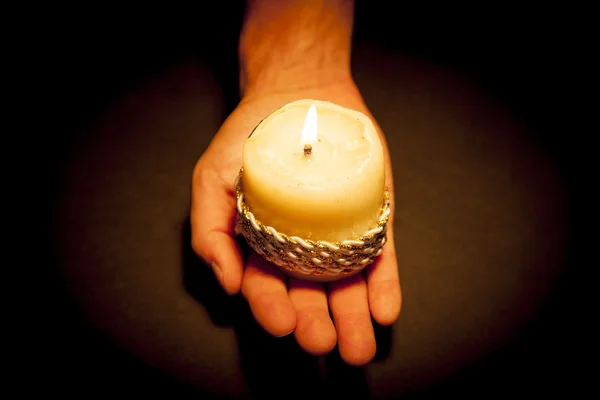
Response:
column 285, row 56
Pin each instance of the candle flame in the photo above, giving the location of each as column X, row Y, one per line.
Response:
column 309, row 132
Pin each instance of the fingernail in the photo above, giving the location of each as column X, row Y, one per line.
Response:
column 218, row 271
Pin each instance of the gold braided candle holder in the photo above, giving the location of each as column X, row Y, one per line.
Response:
column 311, row 259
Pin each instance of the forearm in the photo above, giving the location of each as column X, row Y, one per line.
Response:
column 293, row 44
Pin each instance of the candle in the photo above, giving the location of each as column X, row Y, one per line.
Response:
column 315, row 170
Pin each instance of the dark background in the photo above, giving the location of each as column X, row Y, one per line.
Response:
column 529, row 58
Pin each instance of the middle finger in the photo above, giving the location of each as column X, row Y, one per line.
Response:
column 315, row 332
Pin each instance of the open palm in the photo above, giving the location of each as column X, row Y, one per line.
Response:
column 320, row 315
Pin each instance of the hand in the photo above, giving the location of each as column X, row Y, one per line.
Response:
column 283, row 305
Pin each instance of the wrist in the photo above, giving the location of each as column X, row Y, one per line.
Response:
column 298, row 78
column 291, row 45
column 342, row 91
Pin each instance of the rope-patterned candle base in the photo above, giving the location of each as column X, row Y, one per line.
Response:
column 311, row 259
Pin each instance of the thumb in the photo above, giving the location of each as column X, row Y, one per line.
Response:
column 212, row 217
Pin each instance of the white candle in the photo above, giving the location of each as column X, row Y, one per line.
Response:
column 314, row 169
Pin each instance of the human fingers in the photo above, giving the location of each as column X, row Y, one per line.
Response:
column 383, row 285
column 212, row 217
column 349, row 306
column 314, row 332
column 264, row 288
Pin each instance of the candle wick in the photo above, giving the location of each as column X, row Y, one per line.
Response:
column 307, row 150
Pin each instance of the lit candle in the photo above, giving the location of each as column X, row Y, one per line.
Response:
column 315, row 170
